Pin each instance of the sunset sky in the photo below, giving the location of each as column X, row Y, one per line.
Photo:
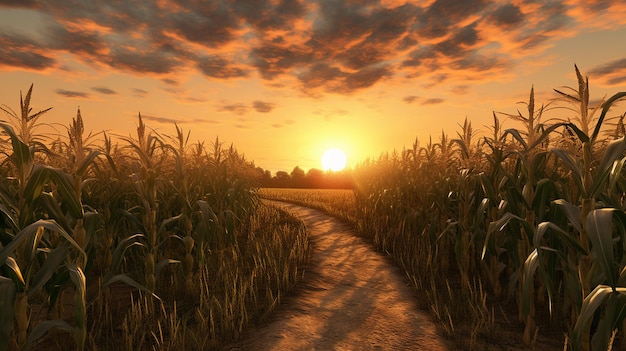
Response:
column 284, row 80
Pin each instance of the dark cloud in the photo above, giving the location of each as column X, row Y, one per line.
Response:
column 460, row 89
column 507, row 16
column 142, row 61
column 170, row 81
column 443, row 15
column 104, row 90
column 338, row 46
column 72, row 94
column 169, row 120
column 611, row 73
column 139, row 92
column 410, row 99
column 18, row 51
column 82, row 43
column 433, row 101
column 218, row 67
column 617, row 80
column 211, row 24
column 262, row 106
column 609, row 68
column 266, row 14
column 159, row 119
column 238, row 109
column 273, row 60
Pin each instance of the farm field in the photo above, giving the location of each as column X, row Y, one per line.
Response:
column 340, row 203
column 150, row 242
column 146, row 243
column 521, row 228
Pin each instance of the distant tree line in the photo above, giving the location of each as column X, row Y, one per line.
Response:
column 313, row 179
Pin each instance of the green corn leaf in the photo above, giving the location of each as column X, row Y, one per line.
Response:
column 65, row 186
column 571, row 212
column 32, row 230
column 599, row 228
column 55, row 258
column 530, row 267
column 15, row 268
column 165, row 222
column 614, row 314
column 517, row 136
column 22, row 156
column 32, row 244
column 82, row 168
column 605, row 108
column 615, row 174
column 542, row 228
column 80, row 311
column 118, row 254
column 35, row 184
column 613, row 152
column 572, row 165
column 9, row 215
column 51, row 205
column 545, row 133
column 490, row 192
column 584, row 138
column 7, row 300
column 592, row 302
column 498, row 226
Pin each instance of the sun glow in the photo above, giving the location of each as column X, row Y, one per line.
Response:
column 334, row 160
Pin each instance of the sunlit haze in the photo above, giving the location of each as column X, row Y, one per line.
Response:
column 286, row 80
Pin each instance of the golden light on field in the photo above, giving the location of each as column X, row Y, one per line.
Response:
column 334, row 160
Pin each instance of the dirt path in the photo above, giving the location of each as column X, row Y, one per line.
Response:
column 352, row 298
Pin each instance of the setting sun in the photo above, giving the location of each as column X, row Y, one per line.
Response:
column 334, row 160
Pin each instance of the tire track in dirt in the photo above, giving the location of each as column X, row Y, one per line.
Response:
column 352, row 298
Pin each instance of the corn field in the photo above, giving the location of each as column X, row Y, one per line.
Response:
column 146, row 242
column 534, row 215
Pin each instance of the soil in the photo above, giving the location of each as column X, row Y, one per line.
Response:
column 352, row 298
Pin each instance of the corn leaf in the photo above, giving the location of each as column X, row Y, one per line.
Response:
column 605, row 108
column 592, row 302
column 571, row 212
column 543, row 227
column 572, row 165
column 613, row 152
column 35, row 184
column 82, row 168
column 65, row 186
column 614, row 314
column 17, row 273
column 55, row 258
column 599, row 229
column 497, row 226
column 21, row 153
column 530, row 267
column 31, row 230
column 118, row 254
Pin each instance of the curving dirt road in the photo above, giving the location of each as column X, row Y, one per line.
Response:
column 352, row 298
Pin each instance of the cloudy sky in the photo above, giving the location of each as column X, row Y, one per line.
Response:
column 283, row 80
